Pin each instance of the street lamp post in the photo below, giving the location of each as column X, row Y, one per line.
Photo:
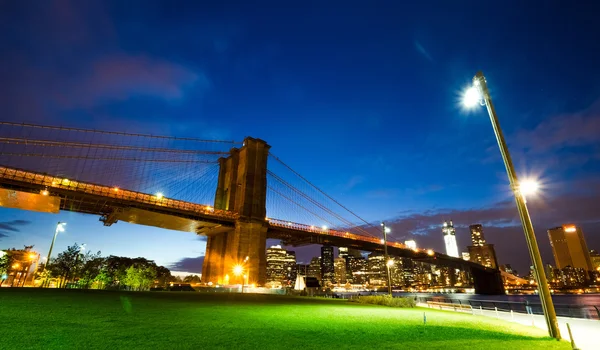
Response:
column 385, row 231
column 475, row 95
column 60, row 227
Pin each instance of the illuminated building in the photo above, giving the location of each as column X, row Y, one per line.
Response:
column 481, row 252
column 342, row 252
column 356, row 269
column 569, row 247
column 411, row 244
column 376, row 269
column 327, row 267
column 466, row 256
column 595, row 259
column 450, row 239
column 477, row 237
column 291, row 269
column 314, row 268
column 339, row 264
column 278, row 261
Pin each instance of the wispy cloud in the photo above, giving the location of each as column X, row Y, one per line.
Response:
column 14, row 226
column 188, row 265
column 422, row 51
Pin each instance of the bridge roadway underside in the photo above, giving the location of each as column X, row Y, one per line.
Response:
column 486, row 281
column 110, row 209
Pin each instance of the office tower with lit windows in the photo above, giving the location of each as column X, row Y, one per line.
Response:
column 339, row 264
column 481, row 252
column 450, row 239
column 277, row 263
column 569, row 247
column 342, row 252
column 327, row 267
column 376, row 270
column 314, row 268
column 477, row 237
column 595, row 259
column 356, row 269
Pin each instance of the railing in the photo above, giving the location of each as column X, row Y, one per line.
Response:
column 331, row 232
column 48, row 182
column 564, row 310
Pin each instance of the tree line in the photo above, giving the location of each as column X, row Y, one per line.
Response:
column 75, row 269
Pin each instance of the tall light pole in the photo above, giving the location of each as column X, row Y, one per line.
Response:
column 60, row 227
column 479, row 93
column 385, row 231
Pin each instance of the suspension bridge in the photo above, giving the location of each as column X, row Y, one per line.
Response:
column 237, row 194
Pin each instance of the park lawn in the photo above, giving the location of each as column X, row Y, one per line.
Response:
column 78, row 319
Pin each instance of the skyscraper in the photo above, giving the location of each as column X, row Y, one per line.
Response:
column 450, row 239
column 481, row 252
column 277, row 263
column 327, row 267
column 569, row 247
column 376, row 270
column 477, row 237
column 342, row 252
column 314, row 268
column 291, row 269
column 339, row 264
column 356, row 269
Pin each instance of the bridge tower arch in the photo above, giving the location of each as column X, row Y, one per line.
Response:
column 241, row 188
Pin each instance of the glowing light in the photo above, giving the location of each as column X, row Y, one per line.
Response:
column 390, row 263
column 209, row 208
column 61, row 227
column 116, row 189
column 289, row 224
column 430, row 252
column 382, row 241
column 238, row 270
column 15, row 266
column 159, row 195
column 44, row 192
column 388, row 230
column 471, row 97
column 32, row 256
column 324, row 228
column 570, row 229
column 312, row 227
column 528, row 187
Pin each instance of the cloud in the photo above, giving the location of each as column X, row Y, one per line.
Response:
column 193, row 265
column 563, row 131
column 120, row 77
column 422, row 50
column 7, row 227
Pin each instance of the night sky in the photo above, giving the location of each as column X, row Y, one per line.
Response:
column 362, row 98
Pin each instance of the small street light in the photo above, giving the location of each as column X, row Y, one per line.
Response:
column 60, row 227
column 385, row 231
column 478, row 93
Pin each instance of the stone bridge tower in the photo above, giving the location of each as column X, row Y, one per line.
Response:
column 242, row 188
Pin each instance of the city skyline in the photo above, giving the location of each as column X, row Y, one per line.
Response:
column 370, row 112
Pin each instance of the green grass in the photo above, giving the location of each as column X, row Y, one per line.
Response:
column 74, row 319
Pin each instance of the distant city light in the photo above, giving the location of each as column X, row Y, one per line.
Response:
column 471, row 97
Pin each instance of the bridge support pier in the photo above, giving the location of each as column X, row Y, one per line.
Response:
column 242, row 188
column 487, row 282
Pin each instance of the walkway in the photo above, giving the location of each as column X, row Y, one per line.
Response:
column 585, row 332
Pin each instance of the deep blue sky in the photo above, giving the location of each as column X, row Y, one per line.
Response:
column 360, row 97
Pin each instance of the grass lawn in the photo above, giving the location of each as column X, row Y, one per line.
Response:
column 76, row 319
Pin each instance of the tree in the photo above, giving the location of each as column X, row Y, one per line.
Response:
column 191, row 279
column 66, row 264
column 5, row 263
column 90, row 269
column 139, row 278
